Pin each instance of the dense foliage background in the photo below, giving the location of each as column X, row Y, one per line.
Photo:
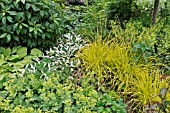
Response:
column 84, row 56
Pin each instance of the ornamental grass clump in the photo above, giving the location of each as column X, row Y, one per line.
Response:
column 116, row 66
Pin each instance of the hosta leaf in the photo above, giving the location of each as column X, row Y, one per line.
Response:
column 13, row 57
column 1, row 59
column 36, row 52
column 1, row 76
column 7, row 52
column 14, row 49
column 22, row 51
column 1, row 50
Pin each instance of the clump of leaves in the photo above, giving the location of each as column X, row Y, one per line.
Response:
column 12, row 60
column 59, row 59
column 31, row 94
column 32, row 23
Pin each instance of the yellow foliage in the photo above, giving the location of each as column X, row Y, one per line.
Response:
column 112, row 60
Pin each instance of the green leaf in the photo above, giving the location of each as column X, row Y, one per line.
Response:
column 36, row 52
column 137, row 45
column 15, row 25
column 25, row 25
column 28, row 15
column 17, row 1
column 20, row 15
column 13, row 57
column 16, row 38
column 14, row 50
column 20, row 26
column 31, row 29
column 28, row 6
column 55, row 21
column 34, row 7
column 12, row 12
column 9, row 37
column 7, row 52
column 4, row 20
column 43, row 36
column 22, row 51
column 167, row 102
column 1, row 59
column 42, row 13
column 2, row 76
column 3, row 35
column 1, row 50
column 23, row 1
column 9, row 19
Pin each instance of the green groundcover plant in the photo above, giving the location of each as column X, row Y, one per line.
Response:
column 29, row 94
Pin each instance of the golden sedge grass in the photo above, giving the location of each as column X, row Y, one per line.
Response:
column 112, row 60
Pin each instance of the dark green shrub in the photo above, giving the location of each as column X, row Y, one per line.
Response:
column 29, row 93
column 31, row 23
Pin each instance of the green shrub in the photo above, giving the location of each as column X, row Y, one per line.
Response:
column 29, row 94
column 30, row 23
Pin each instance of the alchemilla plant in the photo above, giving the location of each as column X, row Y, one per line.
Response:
column 31, row 94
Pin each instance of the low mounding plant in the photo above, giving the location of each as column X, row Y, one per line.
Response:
column 29, row 94
column 59, row 59
column 30, row 23
column 13, row 60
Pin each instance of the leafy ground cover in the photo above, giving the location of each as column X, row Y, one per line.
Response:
column 102, row 56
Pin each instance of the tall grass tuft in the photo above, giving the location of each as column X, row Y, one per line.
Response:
column 114, row 64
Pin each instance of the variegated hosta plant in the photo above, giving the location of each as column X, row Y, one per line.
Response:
column 59, row 59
